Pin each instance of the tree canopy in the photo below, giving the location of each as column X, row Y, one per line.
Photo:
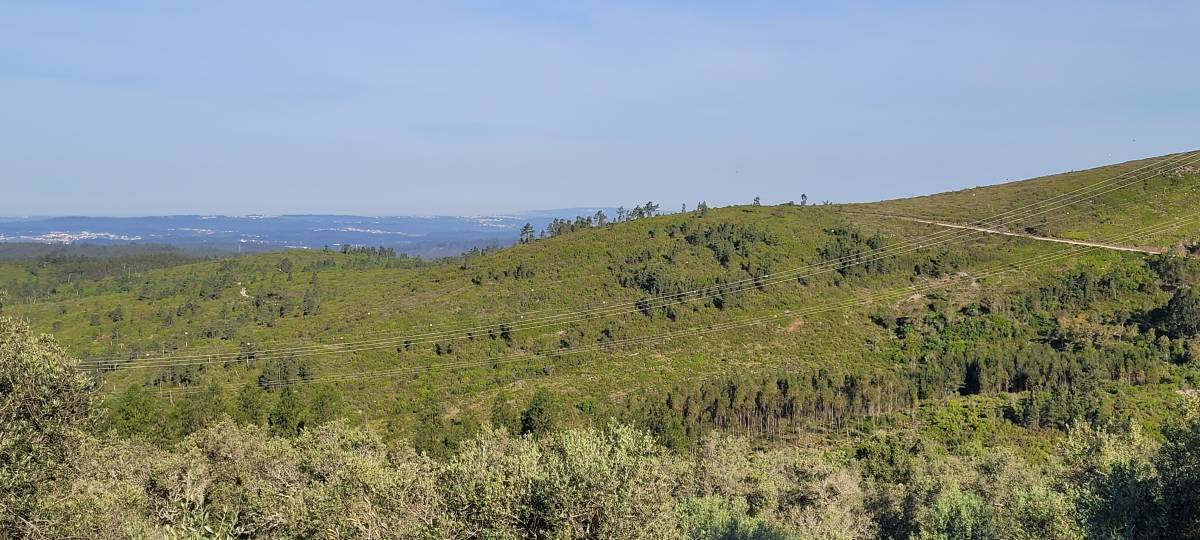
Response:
column 45, row 405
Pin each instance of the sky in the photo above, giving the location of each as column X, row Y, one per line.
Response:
column 465, row 108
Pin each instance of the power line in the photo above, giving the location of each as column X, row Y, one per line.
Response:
column 704, row 330
column 939, row 238
column 660, row 301
column 1154, row 168
column 525, row 325
column 898, row 292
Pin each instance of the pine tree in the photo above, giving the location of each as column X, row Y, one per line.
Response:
column 312, row 301
column 1181, row 315
column 287, row 417
column 541, row 417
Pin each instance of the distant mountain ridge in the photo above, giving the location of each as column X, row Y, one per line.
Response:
column 426, row 236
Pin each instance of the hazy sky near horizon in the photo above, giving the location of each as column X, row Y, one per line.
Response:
column 387, row 108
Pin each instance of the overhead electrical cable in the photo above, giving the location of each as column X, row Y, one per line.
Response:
column 939, row 238
column 516, row 326
column 701, row 330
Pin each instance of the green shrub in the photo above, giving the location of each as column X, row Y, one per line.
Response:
column 45, row 405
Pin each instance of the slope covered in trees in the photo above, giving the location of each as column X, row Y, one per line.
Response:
column 904, row 358
column 63, row 478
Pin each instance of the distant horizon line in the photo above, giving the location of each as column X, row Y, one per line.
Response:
column 520, row 213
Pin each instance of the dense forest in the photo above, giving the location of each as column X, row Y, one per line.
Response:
column 61, row 477
column 740, row 372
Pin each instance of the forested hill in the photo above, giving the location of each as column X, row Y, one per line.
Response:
column 851, row 330
column 422, row 236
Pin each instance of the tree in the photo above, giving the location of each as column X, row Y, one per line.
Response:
column 600, row 219
column 1175, row 271
column 236, row 481
column 1115, row 479
column 960, row 515
column 526, row 234
column 46, row 404
column 803, row 199
column 757, row 201
column 541, row 417
column 324, row 404
column 488, row 487
column 248, row 407
column 285, row 265
column 1181, row 315
column 609, row 483
column 312, row 300
column 1178, row 464
column 288, row 416
column 133, row 413
column 197, row 411
column 621, row 213
column 853, row 251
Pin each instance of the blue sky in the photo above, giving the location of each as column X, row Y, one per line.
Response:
column 119, row 108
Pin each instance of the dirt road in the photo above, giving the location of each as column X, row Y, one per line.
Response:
column 1102, row 245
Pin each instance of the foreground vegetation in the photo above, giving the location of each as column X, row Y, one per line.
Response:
column 61, row 479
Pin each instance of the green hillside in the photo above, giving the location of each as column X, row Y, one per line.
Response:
column 824, row 326
column 303, row 309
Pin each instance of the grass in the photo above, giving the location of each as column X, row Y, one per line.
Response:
column 364, row 298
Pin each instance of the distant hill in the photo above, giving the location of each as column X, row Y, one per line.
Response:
column 423, row 236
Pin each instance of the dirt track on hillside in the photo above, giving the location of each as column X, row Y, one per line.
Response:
column 1102, row 245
